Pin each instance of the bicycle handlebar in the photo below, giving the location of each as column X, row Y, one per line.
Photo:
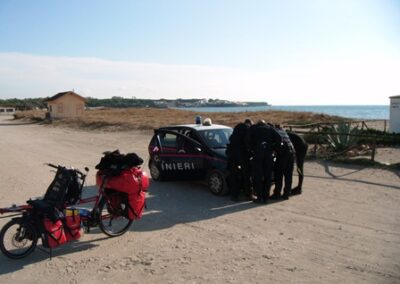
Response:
column 51, row 165
column 76, row 170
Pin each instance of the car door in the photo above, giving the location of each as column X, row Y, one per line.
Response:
column 177, row 156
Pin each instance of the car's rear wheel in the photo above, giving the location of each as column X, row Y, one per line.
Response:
column 216, row 183
column 155, row 172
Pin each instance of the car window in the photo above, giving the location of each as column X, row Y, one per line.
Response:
column 216, row 138
column 169, row 141
column 191, row 134
column 174, row 143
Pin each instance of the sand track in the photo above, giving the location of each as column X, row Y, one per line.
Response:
column 344, row 228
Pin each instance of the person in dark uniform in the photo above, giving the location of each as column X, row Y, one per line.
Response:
column 284, row 165
column 300, row 146
column 248, row 122
column 238, row 162
column 262, row 140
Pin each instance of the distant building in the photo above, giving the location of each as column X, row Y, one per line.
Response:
column 66, row 105
column 7, row 110
column 395, row 114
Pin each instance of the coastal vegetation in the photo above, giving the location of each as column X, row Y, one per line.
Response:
column 342, row 136
column 120, row 102
column 23, row 104
column 150, row 118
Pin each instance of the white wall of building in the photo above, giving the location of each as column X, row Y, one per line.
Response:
column 7, row 110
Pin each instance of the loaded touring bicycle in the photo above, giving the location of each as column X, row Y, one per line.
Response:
column 56, row 220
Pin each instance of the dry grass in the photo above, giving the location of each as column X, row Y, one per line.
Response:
column 37, row 115
column 150, row 118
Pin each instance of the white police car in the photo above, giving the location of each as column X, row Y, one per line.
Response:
column 191, row 151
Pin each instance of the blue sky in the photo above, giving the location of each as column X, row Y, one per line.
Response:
column 283, row 52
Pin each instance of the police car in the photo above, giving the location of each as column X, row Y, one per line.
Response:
column 191, row 151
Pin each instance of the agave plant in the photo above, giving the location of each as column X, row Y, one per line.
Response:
column 341, row 136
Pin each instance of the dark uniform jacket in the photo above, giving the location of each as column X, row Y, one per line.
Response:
column 263, row 133
column 286, row 142
column 236, row 149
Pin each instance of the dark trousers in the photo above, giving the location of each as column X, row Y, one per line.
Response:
column 234, row 179
column 245, row 174
column 284, row 165
column 262, row 170
column 239, row 177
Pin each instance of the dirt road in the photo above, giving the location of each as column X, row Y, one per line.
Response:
column 344, row 228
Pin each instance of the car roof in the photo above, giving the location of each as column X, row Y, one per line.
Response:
column 197, row 127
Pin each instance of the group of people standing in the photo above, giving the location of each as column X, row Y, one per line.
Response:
column 257, row 153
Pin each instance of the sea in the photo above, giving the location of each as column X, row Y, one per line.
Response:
column 367, row 112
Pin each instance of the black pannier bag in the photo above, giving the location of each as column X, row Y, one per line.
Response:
column 74, row 190
column 113, row 163
column 119, row 203
column 65, row 188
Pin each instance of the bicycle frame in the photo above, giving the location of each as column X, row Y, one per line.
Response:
column 96, row 198
column 92, row 219
column 31, row 216
column 18, row 210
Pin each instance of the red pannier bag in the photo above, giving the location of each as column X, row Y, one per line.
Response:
column 54, row 233
column 72, row 224
column 136, row 199
column 136, row 203
column 129, row 181
column 132, row 181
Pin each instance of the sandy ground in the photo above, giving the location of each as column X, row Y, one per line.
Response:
column 344, row 228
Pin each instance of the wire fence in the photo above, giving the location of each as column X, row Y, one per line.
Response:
column 317, row 133
column 381, row 125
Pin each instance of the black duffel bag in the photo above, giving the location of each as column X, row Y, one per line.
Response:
column 112, row 163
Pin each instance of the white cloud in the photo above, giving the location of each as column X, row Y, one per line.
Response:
column 351, row 81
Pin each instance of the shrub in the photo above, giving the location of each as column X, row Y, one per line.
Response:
column 340, row 136
column 381, row 137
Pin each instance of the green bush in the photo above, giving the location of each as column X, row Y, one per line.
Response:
column 340, row 137
column 381, row 137
column 375, row 136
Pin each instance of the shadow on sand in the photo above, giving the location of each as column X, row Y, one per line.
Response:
column 176, row 202
column 172, row 203
column 43, row 254
column 354, row 169
column 168, row 204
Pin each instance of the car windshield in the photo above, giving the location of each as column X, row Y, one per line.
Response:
column 216, row 138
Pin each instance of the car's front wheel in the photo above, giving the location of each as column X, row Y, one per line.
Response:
column 154, row 171
column 216, row 183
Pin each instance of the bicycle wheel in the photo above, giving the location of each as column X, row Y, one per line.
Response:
column 17, row 239
column 112, row 219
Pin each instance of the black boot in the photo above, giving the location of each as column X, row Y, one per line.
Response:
column 276, row 196
column 296, row 190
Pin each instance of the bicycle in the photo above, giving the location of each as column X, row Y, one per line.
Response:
column 19, row 237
